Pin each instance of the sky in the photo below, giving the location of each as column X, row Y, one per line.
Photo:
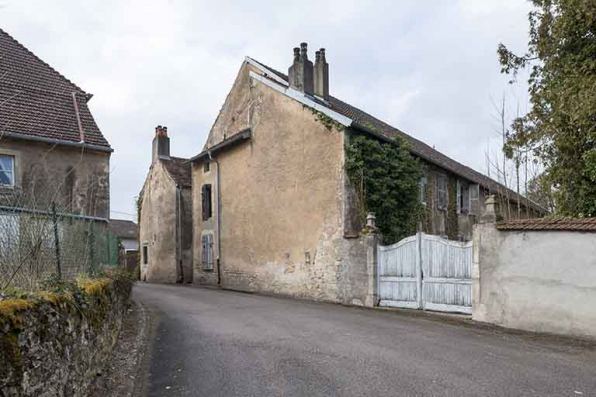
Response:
column 427, row 67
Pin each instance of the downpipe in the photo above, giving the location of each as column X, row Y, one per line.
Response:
column 218, row 179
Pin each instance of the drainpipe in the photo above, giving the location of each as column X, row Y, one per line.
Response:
column 179, row 233
column 218, row 219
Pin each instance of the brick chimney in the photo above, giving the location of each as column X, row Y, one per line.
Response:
column 321, row 75
column 161, row 144
column 301, row 71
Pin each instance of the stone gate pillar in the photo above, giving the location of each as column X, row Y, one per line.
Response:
column 372, row 240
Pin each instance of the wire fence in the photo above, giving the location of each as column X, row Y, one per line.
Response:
column 36, row 244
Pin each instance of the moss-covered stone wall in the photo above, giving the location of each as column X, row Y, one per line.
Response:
column 55, row 344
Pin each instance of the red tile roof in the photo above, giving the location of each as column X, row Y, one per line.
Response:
column 558, row 223
column 37, row 101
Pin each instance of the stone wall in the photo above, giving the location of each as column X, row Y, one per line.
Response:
column 54, row 345
column 543, row 281
column 157, row 227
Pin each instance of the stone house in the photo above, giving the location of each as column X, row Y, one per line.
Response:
column 165, row 216
column 52, row 155
column 273, row 208
column 50, row 145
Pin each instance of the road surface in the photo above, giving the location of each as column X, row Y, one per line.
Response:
column 209, row 342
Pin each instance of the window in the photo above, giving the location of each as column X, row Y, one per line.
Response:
column 207, row 251
column 422, row 185
column 474, row 192
column 206, row 167
column 6, row 170
column 145, row 254
column 473, row 202
column 206, row 201
column 463, row 198
column 441, row 193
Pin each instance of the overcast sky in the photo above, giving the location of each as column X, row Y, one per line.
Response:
column 428, row 67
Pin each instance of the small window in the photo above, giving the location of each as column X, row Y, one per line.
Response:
column 207, row 251
column 206, row 167
column 441, row 194
column 145, row 254
column 474, row 192
column 6, row 170
column 463, row 198
column 206, row 201
column 422, row 185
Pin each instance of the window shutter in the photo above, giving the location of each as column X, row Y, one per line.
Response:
column 206, row 201
column 203, row 202
column 204, row 251
column 210, row 251
column 208, row 193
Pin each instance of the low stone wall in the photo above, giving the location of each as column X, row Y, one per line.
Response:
column 54, row 345
column 535, row 280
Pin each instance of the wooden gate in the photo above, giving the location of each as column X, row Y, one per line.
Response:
column 426, row 272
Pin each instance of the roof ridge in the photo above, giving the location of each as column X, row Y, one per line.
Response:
column 42, row 61
column 424, row 150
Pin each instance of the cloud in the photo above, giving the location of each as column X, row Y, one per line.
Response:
column 429, row 68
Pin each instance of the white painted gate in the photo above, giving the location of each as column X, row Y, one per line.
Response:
column 426, row 272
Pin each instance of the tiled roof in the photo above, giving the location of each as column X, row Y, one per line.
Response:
column 559, row 223
column 37, row 101
column 179, row 169
column 123, row 228
column 417, row 147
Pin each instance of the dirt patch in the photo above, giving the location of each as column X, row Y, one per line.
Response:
column 121, row 374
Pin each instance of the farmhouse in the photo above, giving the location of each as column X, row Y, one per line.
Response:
column 273, row 209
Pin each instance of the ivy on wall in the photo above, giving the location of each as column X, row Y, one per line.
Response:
column 451, row 219
column 385, row 178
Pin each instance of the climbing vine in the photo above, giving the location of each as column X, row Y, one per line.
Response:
column 451, row 218
column 386, row 177
column 327, row 121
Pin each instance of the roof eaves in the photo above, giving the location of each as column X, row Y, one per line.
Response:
column 59, row 142
column 234, row 139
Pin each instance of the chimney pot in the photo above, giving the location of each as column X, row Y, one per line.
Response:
column 321, row 75
column 301, row 72
column 161, row 144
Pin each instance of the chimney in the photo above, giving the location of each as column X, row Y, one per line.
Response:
column 161, row 144
column 301, row 71
column 321, row 75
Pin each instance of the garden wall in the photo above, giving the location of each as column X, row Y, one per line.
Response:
column 536, row 275
column 55, row 344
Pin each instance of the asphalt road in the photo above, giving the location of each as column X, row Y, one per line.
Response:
column 209, row 342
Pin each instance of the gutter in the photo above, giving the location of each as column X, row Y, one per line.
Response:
column 59, row 142
column 48, row 213
column 226, row 143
